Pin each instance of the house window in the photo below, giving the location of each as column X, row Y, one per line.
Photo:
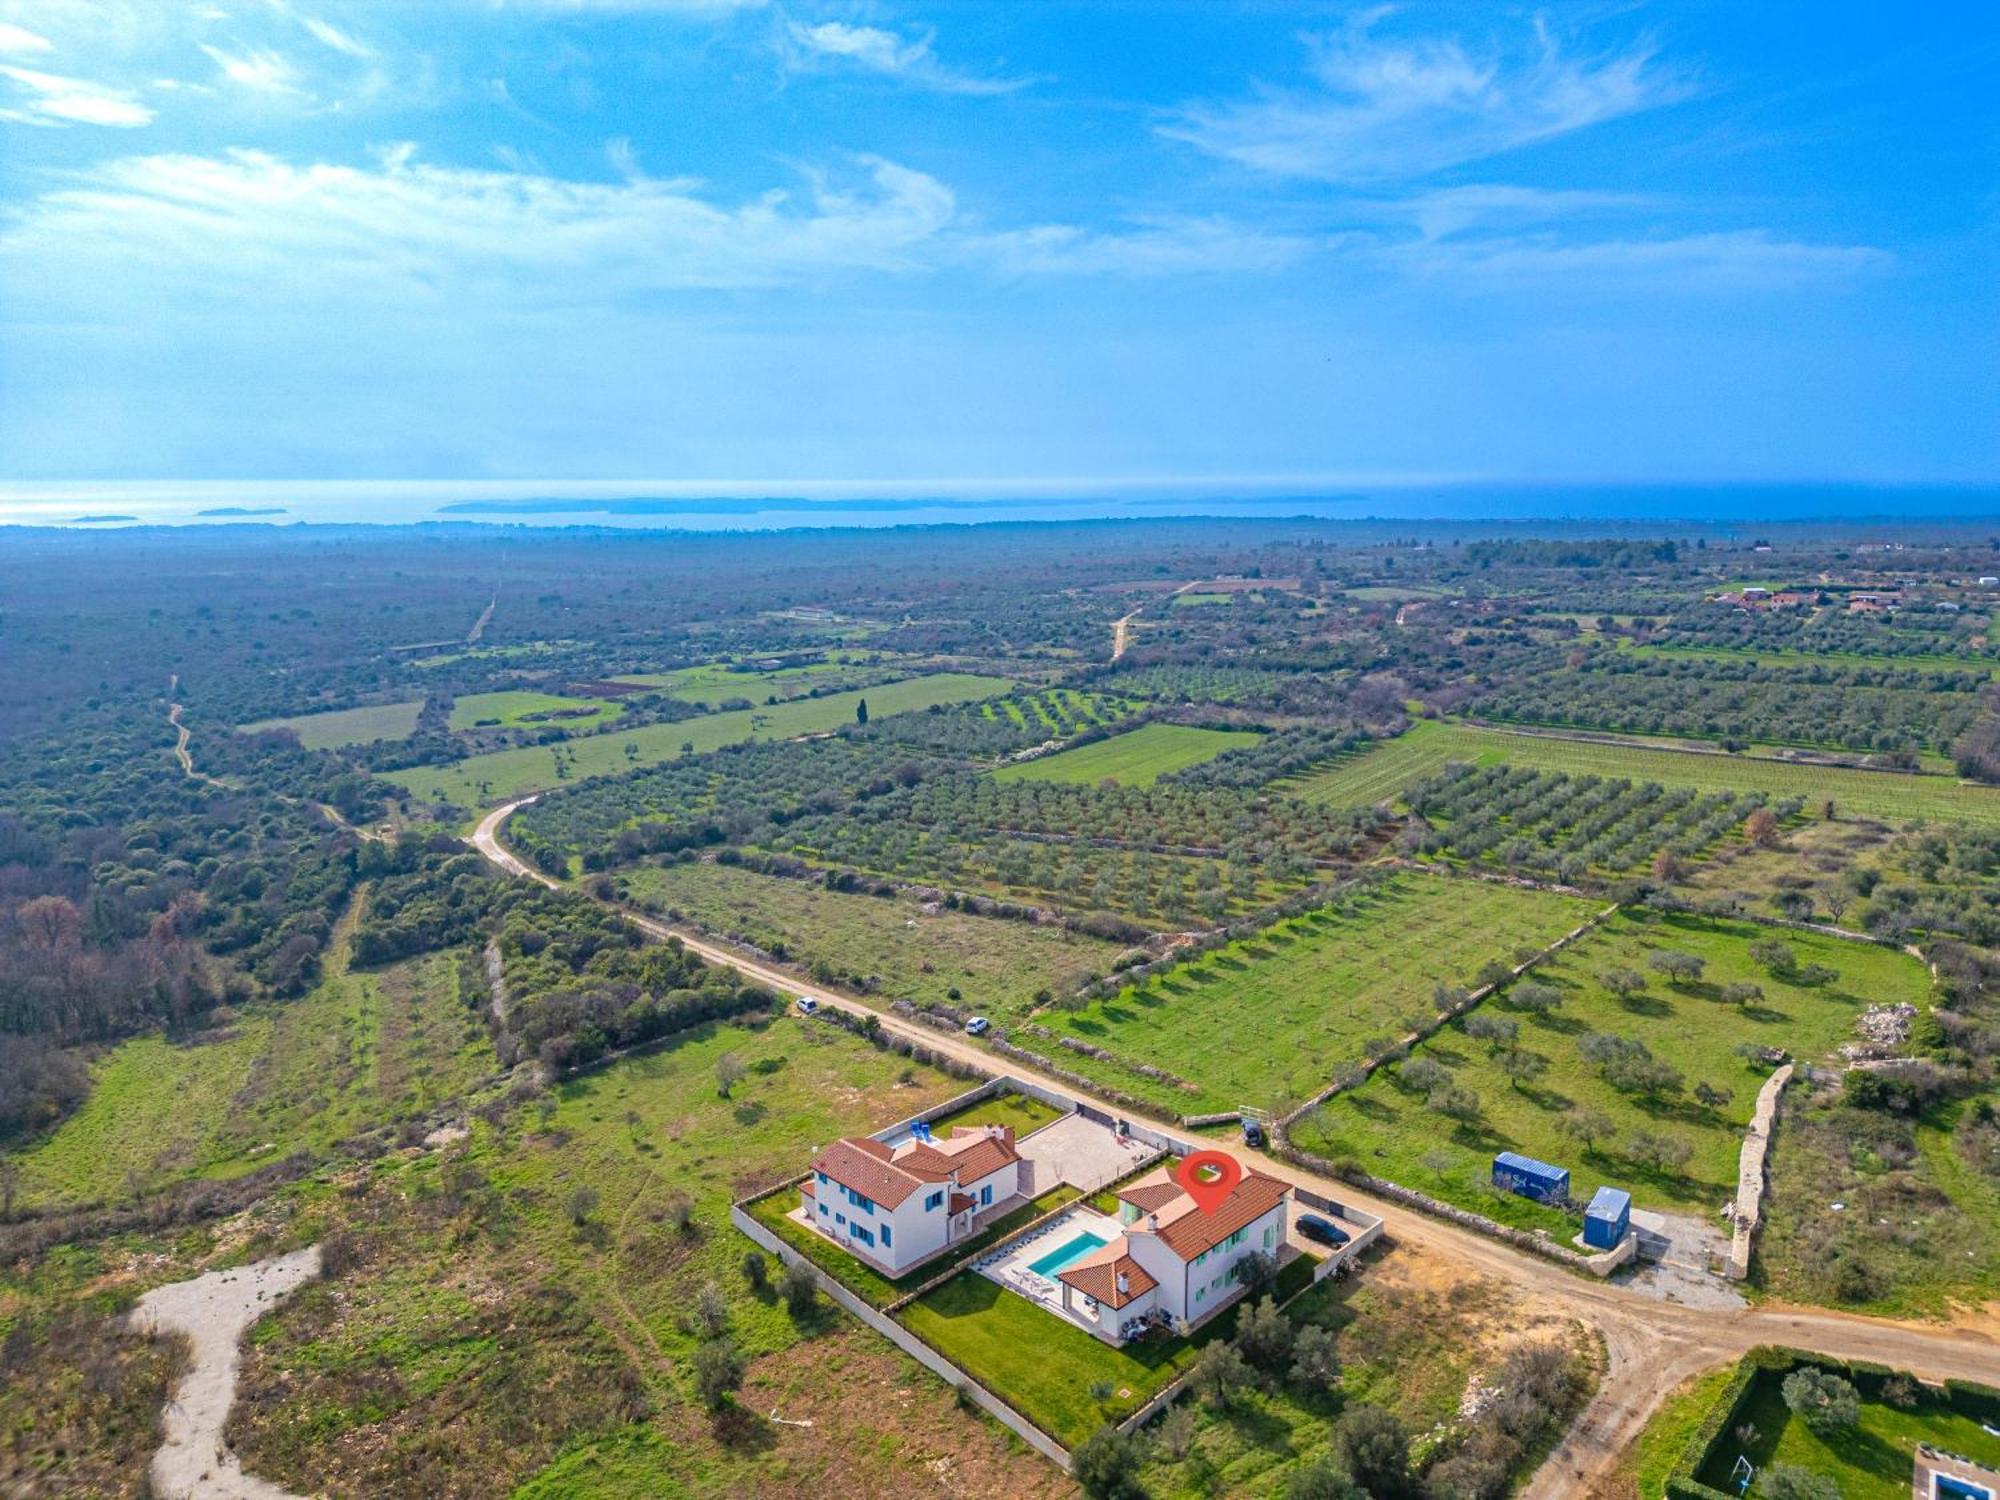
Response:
column 866, row 1205
column 822, row 1178
column 822, row 1208
column 931, row 1203
column 885, row 1237
column 1270, row 1233
column 986, row 1194
column 1199, row 1293
column 861, row 1234
column 840, row 1218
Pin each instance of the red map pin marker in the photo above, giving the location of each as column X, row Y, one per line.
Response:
column 1208, row 1177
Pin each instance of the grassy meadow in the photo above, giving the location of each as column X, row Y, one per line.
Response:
column 1137, row 758
column 346, row 726
column 518, row 708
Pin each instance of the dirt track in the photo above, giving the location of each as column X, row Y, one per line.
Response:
column 212, row 1313
column 1652, row 1344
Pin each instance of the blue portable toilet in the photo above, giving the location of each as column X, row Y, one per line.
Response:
column 1607, row 1219
column 1515, row 1173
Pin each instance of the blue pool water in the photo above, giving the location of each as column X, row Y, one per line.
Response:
column 1072, row 1249
column 1949, row 1488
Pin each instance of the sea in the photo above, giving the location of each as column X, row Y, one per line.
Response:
column 686, row 505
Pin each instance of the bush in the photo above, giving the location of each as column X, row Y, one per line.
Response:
column 1375, row 1449
column 1822, row 1400
column 1790, row 1482
column 800, row 1288
column 1106, row 1465
column 718, row 1371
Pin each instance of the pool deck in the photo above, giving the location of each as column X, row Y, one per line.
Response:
column 1933, row 1465
column 1012, row 1267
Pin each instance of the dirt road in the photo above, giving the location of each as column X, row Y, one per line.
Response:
column 1652, row 1344
column 212, row 1313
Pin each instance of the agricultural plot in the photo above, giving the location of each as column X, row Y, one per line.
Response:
column 517, row 709
column 1191, row 684
column 1137, row 758
column 1632, row 1078
column 1059, row 711
column 1566, row 827
column 361, row 1051
column 1274, row 1016
column 346, row 726
column 716, row 682
column 1783, row 656
column 482, row 780
column 892, row 949
column 1391, row 768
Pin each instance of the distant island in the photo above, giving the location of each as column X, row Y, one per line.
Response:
column 90, row 520
column 755, row 506
column 243, row 510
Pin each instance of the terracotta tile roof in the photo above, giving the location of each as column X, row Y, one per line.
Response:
column 851, row 1164
column 875, row 1171
column 807, row 1188
column 1187, row 1231
column 1096, row 1276
column 1150, row 1197
column 960, row 1202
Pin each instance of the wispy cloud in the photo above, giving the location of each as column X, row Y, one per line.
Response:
column 259, row 69
column 1383, row 110
column 1150, row 247
column 870, row 49
column 52, row 99
column 20, row 41
column 329, row 35
column 1743, row 260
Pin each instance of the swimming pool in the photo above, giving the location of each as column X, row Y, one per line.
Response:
column 1072, row 1249
column 1946, row 1487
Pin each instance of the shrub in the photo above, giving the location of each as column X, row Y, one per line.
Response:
column 1106, row 1465
column 1822, row 1400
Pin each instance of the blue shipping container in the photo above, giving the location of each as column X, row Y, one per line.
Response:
column 1516, row 1173
column 1607, row 1219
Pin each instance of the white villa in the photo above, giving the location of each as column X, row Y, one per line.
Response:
column 1171, row 1263
column 894, row 1207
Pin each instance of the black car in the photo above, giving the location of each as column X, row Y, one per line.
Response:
column 1253, row 1134
column 1313, row 1227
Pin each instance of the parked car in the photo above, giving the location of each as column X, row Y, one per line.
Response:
column 1253, row 1134
column 807, row 1005
column 1313, row 1227
column 977, row 1026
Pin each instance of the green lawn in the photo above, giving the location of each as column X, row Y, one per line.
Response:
column 1873, row 1461
column 519, row 709
column 347, row 726
column 1382, row 773
column 1044, row 1367
column 1388, row 1127
column 1181, row 601
column 1275, row 1015
column 1022, row 1111
column 889, row 948
column 483, row 780
column 1138, row 758
column 1672, row 1428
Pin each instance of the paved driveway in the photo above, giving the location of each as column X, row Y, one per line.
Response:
column 1080, row 1152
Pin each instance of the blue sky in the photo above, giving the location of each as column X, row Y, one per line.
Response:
column 945, row 243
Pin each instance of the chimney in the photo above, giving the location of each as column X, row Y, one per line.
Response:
column 1153, row 1222
column 1124, row 1284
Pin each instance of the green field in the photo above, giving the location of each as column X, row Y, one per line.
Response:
column 1273, row 1016
column 483, row 780
column 1388, row 1127
column 346, row 726
column 1138, row 758
column 889, row 949
column 1874, row 1461
column 362, row 1050
column 1181, row 601
column 519, row 709
column 1381, row 774
column 714, row 682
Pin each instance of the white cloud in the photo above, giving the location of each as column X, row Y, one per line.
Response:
column 1153, row 247
column 1385, row 110
column 1731, row 260
column 19, row 40
column 1456, row 210
column 873, row 50
column 256, row 68
column 329, row 35
column 51, row 99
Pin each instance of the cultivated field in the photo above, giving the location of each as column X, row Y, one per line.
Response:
column 346, row 726
column 714, row 682
column 1138, row 758
column 519, row 709
column 482, row 780
column 361, row 1051
column 1839, row 660
column 890, row 948
column 1397, row 1126
column 1380, row 774
column 1273, row 1016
